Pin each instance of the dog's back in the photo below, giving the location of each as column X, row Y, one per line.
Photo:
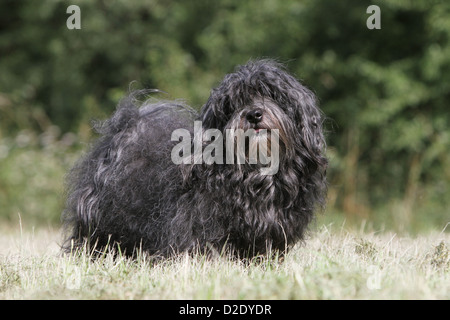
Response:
column 122, row 185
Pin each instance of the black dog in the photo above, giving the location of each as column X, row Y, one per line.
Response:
column 141, row 187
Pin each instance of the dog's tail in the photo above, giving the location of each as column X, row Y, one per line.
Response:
column 126, row 115
column 99, row 186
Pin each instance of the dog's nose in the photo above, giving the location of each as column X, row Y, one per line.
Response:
column 254, row 116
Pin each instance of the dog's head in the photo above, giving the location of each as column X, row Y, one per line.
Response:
column 262, row 96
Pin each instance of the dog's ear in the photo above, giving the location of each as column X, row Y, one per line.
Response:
column 208, row 117
column 311, row 123
column 216, row 111
column 310, row 120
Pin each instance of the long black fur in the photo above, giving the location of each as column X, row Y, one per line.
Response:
column 127, row 192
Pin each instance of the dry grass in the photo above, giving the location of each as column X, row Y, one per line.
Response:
column 334, row 264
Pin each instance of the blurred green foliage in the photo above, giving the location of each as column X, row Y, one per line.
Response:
column 31, row 175
column 385, row 92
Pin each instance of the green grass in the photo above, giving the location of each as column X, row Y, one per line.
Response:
column 332, row 264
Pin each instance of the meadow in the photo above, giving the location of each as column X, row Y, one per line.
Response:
column 334, row 263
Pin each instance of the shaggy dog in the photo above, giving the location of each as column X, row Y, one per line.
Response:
column 140, row 187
